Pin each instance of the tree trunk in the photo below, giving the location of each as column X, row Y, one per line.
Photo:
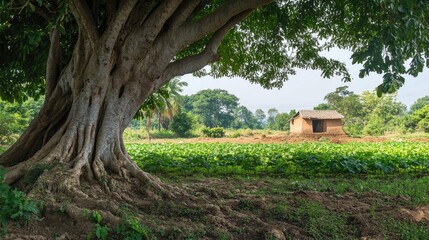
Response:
column 90, row 102
column 79, row 128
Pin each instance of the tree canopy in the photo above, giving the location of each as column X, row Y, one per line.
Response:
column 215, row 107
column 389, row 37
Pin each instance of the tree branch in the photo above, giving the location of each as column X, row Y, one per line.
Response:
column 85, row 20
column 43, row 12
column 153, row 26
column 209, row 55
column 196, row 30
column 184, row 12
column 140, row 40
column 53, row 65
column 115, row 26
column 111, row 7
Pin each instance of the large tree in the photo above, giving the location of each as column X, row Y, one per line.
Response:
column 97, row 61
column 215, row 107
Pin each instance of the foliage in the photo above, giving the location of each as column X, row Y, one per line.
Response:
column 182, row 123
column 14, row 205
column 283, row 159
column 375, row 126
column 130, row 229
column 99, row 231
column 279, row 121
column 366, row 113
column 350, row 106
column 260, row 117
column 216, row 132
column 420, row 118
column 215, row 107
column 15, row 117
column 138, row 134
column 382, row 35
column 282, row 121
column 419, row 104
column 164, row 103
column 324, row 106
column 244, row 118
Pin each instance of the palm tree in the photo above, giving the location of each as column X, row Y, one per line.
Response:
column 164, row 103
column 173, row 102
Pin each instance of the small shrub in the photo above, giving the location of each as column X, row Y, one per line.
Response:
column 235, row 135
column 181, row 125
column 99, row 231
column 248, row 133
column 163, row 134
column 217, row 132
column 14, row 205
column 130, row 229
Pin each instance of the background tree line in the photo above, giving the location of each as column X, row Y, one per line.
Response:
column 365, row 114
column 169, row 110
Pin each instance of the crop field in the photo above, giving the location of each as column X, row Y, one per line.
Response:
column 312, row 190
column 282, row 159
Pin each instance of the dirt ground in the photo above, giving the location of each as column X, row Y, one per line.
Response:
column 231, row 208
column 284, row 138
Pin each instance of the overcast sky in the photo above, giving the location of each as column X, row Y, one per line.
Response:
column 307, row 88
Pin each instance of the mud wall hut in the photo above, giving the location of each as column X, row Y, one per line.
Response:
column 311, row 122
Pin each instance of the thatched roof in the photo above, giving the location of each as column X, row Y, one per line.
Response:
column 319, row 114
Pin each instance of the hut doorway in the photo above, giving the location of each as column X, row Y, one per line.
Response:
column 318, row 126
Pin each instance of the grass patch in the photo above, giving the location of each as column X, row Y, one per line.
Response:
column 392, row 228
column 416, row 188
column 319, row 222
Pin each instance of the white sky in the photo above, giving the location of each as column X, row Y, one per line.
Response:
column 307, row 88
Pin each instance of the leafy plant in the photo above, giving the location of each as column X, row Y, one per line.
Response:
column 99, row 231
column 132, row 230
column 14, row 205
column 216, row 132
column 283, row 159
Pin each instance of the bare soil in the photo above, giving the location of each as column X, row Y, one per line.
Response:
column 231, row 208
column 285, row 138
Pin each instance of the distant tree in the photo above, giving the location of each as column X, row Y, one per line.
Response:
column 387, row 109
column 282, row 122
column 324, row 106
column 420, row 119
column 375, row 125
column 214, row 107
column 271, row 120
column 350, row 105
column 345, row 102
column 419, row 104
column 244, row 118
column 260, row 117
column 181, row 124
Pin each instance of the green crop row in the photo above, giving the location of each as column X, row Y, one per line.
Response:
column 311, row 158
